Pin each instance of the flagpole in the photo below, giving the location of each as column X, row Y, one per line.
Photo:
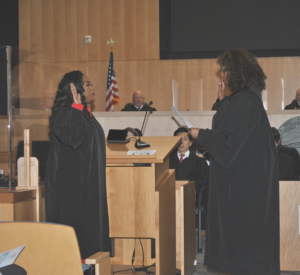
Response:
column 111, row 42
column 112, row 94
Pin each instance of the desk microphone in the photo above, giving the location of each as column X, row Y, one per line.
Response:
column 140, row 144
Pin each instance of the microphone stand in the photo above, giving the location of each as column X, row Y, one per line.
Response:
column 141, row 144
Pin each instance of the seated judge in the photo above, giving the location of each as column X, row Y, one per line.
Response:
column 138, row 103
column 289, row 159
column 295, row 103
column 187, row 165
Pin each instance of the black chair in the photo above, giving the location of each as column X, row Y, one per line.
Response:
column 202, row 209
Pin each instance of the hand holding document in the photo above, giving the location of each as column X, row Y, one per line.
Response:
column 187, row 124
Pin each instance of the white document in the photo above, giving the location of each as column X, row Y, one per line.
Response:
column 141, row 152
column 187, row 124
column 9, row 257
column 175, row 93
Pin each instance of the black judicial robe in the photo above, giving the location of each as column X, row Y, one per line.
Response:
column 218, row 103
column 75, row 182
column 243, row 206
column 191, row 168
column 293, row 105
column 131, row 108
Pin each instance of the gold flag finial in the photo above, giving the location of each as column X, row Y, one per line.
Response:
column 111, row 42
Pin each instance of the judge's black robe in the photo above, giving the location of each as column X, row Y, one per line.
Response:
column 75, row 182
column 293, row 105
column 191, row 168
column 131, row 108
column 243, row 206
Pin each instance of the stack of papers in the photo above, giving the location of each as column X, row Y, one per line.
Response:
column 141, row 152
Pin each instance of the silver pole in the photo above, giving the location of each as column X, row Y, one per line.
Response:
column 9, row 110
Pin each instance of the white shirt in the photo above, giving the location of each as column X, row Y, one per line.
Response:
column 139, row 108
column 186, row 154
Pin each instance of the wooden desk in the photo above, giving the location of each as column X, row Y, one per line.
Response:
column 185, row 227
column 18, row 205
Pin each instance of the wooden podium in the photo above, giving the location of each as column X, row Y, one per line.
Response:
column 141, row 204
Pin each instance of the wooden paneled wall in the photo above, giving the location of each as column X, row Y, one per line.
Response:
column 57, row 28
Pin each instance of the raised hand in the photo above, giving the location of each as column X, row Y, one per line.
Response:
column 221, row 90
column 76, row 96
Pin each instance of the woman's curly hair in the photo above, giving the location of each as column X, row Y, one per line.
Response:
column 64, row 95
column 242, row 69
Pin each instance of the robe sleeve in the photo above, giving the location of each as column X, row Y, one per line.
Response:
column 218, row 104
column 238, row 130
column 202, row 175
column 69, row 127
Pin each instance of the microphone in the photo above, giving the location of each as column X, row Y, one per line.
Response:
column 140, row 144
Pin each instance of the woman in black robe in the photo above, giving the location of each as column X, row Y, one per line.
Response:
column 75, row 183
column 243, row 212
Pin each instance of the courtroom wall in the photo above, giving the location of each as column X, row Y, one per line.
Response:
column 58, row 27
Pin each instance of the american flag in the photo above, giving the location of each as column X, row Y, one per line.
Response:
column 112, row 94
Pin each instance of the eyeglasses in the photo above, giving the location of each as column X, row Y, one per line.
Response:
column 222, row 70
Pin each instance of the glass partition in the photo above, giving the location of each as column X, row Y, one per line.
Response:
column 27, row 97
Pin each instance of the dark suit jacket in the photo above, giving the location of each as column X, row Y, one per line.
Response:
column 191, row 168
column 287, row 167
column 292, row 152
column 131, row 108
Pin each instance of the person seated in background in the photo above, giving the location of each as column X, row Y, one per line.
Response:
column 288, row 169
column 187, row 165
column 131, row 132
column 295, row 103
column 138, row 103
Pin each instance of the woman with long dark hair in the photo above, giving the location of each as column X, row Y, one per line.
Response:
column 75, row 183
column 243, row 212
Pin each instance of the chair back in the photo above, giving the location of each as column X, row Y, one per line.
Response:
column 49, row 248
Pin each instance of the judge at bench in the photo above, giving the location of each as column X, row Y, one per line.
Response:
column 295, row 103
column 138, row 103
